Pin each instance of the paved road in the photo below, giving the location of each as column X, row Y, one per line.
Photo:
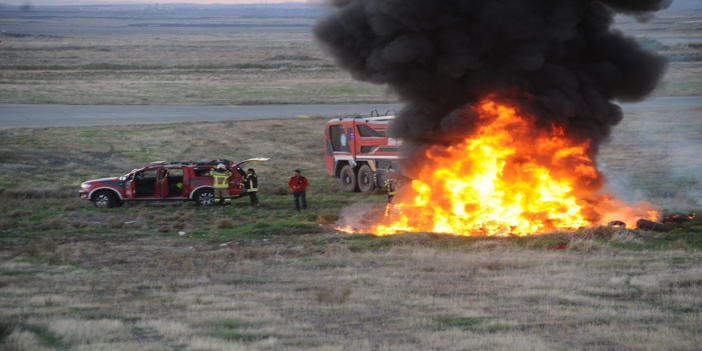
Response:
column 38, row 116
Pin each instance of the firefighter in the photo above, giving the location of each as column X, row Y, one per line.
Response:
column 221, row 182
column 392, row 183
column 251, row 186
column 298, row 184
column 391, row 188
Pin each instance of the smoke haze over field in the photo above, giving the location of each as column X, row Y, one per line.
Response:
column 559, row 60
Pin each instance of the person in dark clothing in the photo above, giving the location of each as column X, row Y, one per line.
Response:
column 299, row 184
column 251, row 186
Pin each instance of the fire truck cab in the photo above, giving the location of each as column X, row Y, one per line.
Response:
column 359, row 152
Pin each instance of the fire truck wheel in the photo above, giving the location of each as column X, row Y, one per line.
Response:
column 204, row 197
column 348, row 179
column 105, row 199
column 365, row 179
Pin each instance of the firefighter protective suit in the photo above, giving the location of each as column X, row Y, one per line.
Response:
column 221, row 182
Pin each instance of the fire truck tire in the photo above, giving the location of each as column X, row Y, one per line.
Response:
column 106, row 199
column 204, row 197
column 365, row 179
column 348, row 179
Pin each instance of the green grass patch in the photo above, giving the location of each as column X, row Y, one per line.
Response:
column 233, row 323
column 45, row 336
column 92, row 315
column 21, row 273
column 691, row 239
column 476, row 324
column 237, row 335
column 230, row 329
column 7, row 183
column 276, row 227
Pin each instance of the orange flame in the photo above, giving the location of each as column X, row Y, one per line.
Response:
column 510, row 178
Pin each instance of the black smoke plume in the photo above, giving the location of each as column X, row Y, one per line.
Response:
column 560, row 60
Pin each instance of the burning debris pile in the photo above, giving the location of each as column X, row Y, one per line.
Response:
column 506, row 105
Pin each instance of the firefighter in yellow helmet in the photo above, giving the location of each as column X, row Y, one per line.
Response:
column 392, row 183
column 221, row 182
column 251, row 186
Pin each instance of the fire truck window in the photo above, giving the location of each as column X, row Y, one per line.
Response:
column 368, row 132
column 175, row 182
column 338, row 138
column 175, row 174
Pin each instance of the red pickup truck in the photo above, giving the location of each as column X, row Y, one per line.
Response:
column 165, row 181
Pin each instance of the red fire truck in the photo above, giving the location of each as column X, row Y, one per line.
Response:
column 359, row 152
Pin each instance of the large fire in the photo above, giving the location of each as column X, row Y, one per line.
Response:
column 508, row 178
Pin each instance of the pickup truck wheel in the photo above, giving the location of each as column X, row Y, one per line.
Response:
column 348, row 179
column 105, row 199
column 204, row 197
column 365, row 179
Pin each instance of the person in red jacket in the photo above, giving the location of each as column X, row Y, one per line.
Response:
column 298, row 184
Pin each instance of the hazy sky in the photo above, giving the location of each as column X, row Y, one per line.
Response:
column 73, row 2
column 218, row 1
column 212, row 1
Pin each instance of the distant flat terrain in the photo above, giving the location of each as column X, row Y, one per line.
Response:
column 228, row 55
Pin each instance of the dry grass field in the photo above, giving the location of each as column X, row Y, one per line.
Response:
column 191, row 56
column 141, row 57
column 182, row 277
